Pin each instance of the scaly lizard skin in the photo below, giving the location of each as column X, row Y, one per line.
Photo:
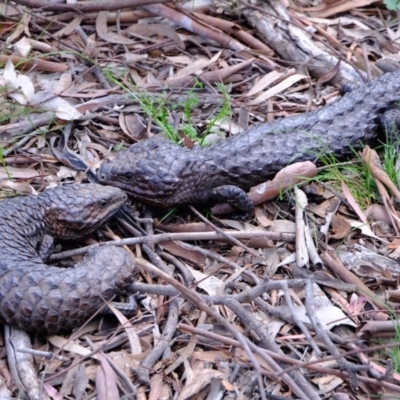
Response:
column 48, row 299
column 163, row 174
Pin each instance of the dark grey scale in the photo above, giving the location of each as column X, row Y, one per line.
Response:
column 256, row 154
column 36, row 297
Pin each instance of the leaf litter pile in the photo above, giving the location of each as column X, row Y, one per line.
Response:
column 298, row 302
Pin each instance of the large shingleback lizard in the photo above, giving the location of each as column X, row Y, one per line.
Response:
column 47, row 299
column 161, row 173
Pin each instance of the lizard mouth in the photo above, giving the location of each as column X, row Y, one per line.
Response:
column 105, row 180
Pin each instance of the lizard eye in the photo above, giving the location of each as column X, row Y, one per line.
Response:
column 129, row 176
column 103, row 203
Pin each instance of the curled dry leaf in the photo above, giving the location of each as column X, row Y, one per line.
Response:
column 265, row 81
column 327, row 384
column 23, row 47
column 22, row 89
column 67, row 345
column 22, row 188
column 356, row 306
column 106, row 381
column 203, row 378
column 210, row 284
column 350, row 199
column 70, row 27
column 104, row 34
column 149, row 30
column 19, row 86
column 330, row 316
column 133, row 337
column 280, row 87
column 340, row 227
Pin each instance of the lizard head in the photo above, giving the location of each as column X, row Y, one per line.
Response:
column 75, row 211
column 147, row 177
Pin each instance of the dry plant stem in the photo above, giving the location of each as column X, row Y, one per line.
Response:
column 225, row 234
column 184, row 20
column 235, row 30
column 130, row 389
column 21, row 364
column 296, row 363
column 193, row 297
column 28, row 124
column 334, row 283
column 92, row 354
column 311, row 249
column 169, row 328
column 371, row 158
column 25, row 139
column 187, row 276
column 87, row 6
column 391, row 212
column 129, row 16
column 353, row 350
column 61, row 44
column 333, row 262
column 148, row 222
column 36, row 64
column 329, row 216
column 222, row 260
column 320, row 331
column 163, row 342
column 245, row 296
column 169, row 237
column 292, row 43
column 334, row 192
column 95, row 69
column 371, row 327
column 135, row 229
column 296, row 381
column 301, row 247
column 209, row 77
column 289, row 319
column 124, row 99
column 297, row 320
column 188, row 350
column 387, row 375
column 44, row 354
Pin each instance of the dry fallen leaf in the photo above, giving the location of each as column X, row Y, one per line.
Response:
column 340, row 227
column 106, row 381
column 203, row 378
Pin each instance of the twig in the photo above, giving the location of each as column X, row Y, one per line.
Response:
column 296, row 381
column 301, row 247
column 223, row 260
column 169, row 328
column 21, row 364
column 170, row 237
column 225, row 234
column 87, row 6
column 320, row 331
column 297, row 320
column 193, row 297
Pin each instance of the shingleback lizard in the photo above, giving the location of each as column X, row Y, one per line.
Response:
column 48, row 299
column 163, row 174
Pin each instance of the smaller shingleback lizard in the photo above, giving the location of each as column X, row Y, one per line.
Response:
column 48, row 299
column 163, row 174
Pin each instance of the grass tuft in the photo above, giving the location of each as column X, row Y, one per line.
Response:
column 160, row 111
